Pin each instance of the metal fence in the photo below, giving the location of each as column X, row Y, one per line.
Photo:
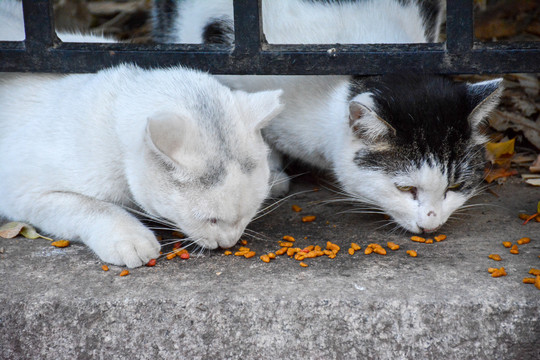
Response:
column 42, row 51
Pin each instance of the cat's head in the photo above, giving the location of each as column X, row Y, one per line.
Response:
column 414, row 148
column 204, row 164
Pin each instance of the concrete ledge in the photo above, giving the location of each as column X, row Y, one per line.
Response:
column 59, row 304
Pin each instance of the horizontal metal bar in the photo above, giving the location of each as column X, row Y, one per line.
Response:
column 281, row 59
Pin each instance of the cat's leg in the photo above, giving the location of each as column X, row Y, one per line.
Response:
column 111, row 232
column 279, row 181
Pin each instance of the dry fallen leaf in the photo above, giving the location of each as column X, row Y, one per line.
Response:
column 533, row 182
column 501, row 152
column 492, row 174
column 13, row 229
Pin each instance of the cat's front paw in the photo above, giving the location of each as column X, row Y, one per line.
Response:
column 130, row 249
column 279, row 183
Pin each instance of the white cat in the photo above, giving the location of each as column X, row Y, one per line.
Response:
column 407, row 145
column 76, row 149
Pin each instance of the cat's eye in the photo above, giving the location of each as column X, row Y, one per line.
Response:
column 455, row 187
column 412, row 189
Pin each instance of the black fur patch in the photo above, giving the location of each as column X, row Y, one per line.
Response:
column 430, row 115
column 218, row 31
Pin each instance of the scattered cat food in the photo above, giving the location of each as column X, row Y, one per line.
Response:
column 296, row 208
column 248, row 254
column 265, row 258
column 105, row 268
column 379, row 250
column 495, row 257
column 492, row 270
column 303, row 264
column 177, row 245
column 124, row 273
column 227, row 252
column 507, row 244
column 351, row 251
column 418, row 239
column 60, row 243
column 429, row 241
column 439, row 238
column 499, row 272
column 151, row 263
column 289, row 238
column 355, row 246
column 392, row 246
column 281, row 251
column 368, row 251
column 332, row 247
column 171, row 256
column 514, row 249
column 184, row 256
column 534, row 271
column 285, row 244
column 243, row 242
column 524, row 240
column 537, row 282
column 412, row 253
column 529, row 280
column 308, row 218
column 271, row 255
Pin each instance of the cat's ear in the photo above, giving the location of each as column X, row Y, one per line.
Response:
column 263, row 105
column 167, row 132
column 364, row 122
column 484, row 98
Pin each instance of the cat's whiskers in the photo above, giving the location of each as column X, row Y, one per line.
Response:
column 270, row 208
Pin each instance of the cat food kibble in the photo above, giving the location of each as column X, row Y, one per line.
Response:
column 105, row 268
column 296, row 208
column 440, row 238
column 534, row 271
column 529, row 280
column 152, row 262
column 507, row 244
column 495, row 257
column 524, row 240
column 499, row 272
column 281, row 251
column 392, row 246
column 308, row 218
column 514, row 249
column 537, row 282
column 429, row 241
column 418, row 239
column 351, row 251
column 184, row 256
column 60, row 243
column 492, row 270
column 286, row 244
column 243, row 242
column 303, row 264
column 288, row 238
column 171, row 256
column 368, row 251
column 227, row 252
column 271, row 255
column 355, row 246
column 249, row 254
column 265, row 258
column 124, row 273
column 412, row 253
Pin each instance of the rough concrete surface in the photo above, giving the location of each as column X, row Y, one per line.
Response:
column 59, row 304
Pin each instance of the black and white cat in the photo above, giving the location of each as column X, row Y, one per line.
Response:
column 408, row 145
column 77, row 151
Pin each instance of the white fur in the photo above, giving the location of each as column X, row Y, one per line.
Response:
column 74, row 149
column 12, row 26
column 314, row 126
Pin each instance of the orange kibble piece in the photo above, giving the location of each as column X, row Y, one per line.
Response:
column 265, row 258
column 524, row 240
column 281, row 251
column 534, row 271
column 392, row 246
column 171, row 256
column 327, row 252
column 60, row 243
column 240, row 253
column 308, row 218
column 105, row 268
column 299, row 256
column 311, row 254
column 351, row 251
column 379, row 250
column 332, row 255
column 529, row 280
column 285, row 244
column 288, row 238
column 151, row 262
column 303, row 264
column 331, row 246
column 177, row 245
column 291, row 251
column 429, row 241
column 412, row 253
column 249, row 254
column 495, row 257
column 296, row 208
column 243, row 242
column 440, row 238
column 507, row 244
column 308, row 248
column 418, row 239
column 368, row 250
column 499, row 272
column 243, row 248
column 227, row 252
column 537, row 282
column 514, row 249
column 271, row 255
column 492, row 270
column 355, row 246
column 124, row 273
column 184, row 256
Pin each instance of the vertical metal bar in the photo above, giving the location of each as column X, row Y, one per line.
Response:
column 247, row 26
column 459, row 25
column 39, row 24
